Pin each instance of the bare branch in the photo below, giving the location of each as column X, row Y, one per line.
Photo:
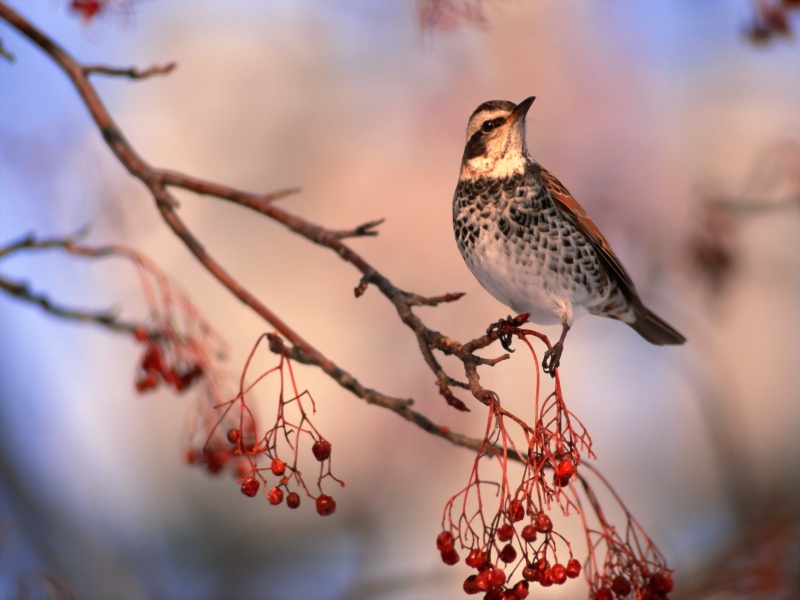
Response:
column 131, row 72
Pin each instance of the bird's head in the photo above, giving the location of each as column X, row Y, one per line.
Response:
column 496, row 140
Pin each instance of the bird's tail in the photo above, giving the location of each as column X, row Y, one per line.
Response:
column 655, row 330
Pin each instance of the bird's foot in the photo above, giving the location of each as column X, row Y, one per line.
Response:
column 505, row 329
column 552, row 358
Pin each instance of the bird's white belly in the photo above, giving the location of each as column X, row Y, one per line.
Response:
column 523, row 283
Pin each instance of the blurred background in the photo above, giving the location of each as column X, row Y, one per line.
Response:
column 675, row 124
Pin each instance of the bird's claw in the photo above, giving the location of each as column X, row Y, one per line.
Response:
column 552, row 358
column 503, row 334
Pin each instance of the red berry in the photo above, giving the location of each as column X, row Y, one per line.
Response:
column 497, row 577
column 529, row 533
column 566, row 468
column 515, row 511
column 505, row 532
column 444, row 541
column 661, row 583
column 450, row 557
column 508, row 554
column 471, row 585
column 278, row 466
column 573, row 568
column 293, row 500
column 476, row 559
column 234, row 435
column 521, row 590
column 140, row 334
column 482, row 580
column 250, row 486
column 530, row 573
column 544, row 578
column 216, row 459
column 558, row 574
column 275, row 496
column 325, row 505
column 148, row 381
column 321, row 450
column 151, row 361
column 543, row 523
column 603, row 593
column 509, row 595
column 621, row 586
column 494, row 594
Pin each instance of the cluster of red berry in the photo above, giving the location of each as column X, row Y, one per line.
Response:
column 155, row 367
column 771, row 20
column 87, row 9
column 656, row 587
column 251, row 482
column 491, row 579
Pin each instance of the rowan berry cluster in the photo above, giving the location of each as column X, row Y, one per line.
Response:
column 271, row 460
column 505, row 531
column 162, row 362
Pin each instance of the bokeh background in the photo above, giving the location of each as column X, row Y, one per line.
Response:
column 648, row 111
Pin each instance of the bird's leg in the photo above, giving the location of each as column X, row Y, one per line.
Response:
column 503, row 334
column 552, row 357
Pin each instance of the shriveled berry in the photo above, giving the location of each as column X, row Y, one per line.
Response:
column 521, row 590
column 250, row 486
column 573, row 568
column 603, row 593
column 275, row 496
column 621, row 586
column 528, row 533
column 476, row 558
column 543, row 523
column 508, row 553
column 293, row 500
column 497, row 577
column 444, row 541
column 325, row 505
column 471, row 585
column 321, row 450
column 515, row 511
column 450, row 557
column 558, row 574
column 505, row 532
column 234, row 435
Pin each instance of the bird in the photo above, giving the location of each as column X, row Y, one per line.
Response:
column 530, row 244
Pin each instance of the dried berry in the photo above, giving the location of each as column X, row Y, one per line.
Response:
column 325, row 505
column 515, row 511
column 543, row 523
column 321, row 450
column 250, row 486
column 444, row 541
column 275, row 496
column 508, row 553
column 505, row 532
column 450, row 557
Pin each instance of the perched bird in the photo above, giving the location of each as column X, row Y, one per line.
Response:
column 530, row 244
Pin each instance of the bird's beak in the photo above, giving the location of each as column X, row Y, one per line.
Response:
column 520, row 110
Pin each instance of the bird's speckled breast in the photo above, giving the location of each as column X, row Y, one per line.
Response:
column 523, row 251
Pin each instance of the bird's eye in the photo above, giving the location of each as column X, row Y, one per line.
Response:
column 487, row 126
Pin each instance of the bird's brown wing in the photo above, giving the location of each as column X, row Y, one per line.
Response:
column 569, row 207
